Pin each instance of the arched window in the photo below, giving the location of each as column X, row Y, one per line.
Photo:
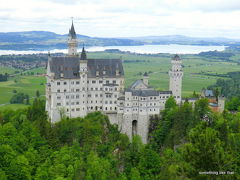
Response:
column 134, row 127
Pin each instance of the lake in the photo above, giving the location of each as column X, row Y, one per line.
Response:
column 145, row 49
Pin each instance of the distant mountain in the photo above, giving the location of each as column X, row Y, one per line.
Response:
column 44, row 40
column 179, row 39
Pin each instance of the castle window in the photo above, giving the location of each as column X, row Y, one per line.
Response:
column 58, row 104
column 64, row 83
column 101, row 89
column 78, row 109
column 115, row 89
column 93, row 81
column 107, row 82
column 114, row 81
column 106, row 108
column 77, row 96
column 58, row 90
column 77, row 90
column 106, row 102
column 67, row 97
column 77, row 103
column 115, row 96
column 67, row 110
column 58, row 97
column 58, row 83
column 100, row 81
column 65, row 90
column 72, row 90
column 72, row 103
column 96, row 95
column 89, row 95
column 96, row 89
column 110, row 102
column 115, row 108
column 101, row 95
column 67, row 103
column 77, row 82
column 72, row 109
column 83, row 89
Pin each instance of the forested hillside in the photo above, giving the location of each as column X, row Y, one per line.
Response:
column 183, row 143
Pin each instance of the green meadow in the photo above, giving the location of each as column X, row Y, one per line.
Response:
column 193, row 80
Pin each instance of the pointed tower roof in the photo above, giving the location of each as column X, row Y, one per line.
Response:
column 83, row 54
column 72, row 32
column 176, row 57
column 145, row 74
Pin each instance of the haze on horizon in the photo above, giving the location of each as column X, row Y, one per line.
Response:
column 112, row 18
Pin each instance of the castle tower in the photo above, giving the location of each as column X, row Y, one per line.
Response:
column 176, row 74
column 83, row 71
column 72, row 42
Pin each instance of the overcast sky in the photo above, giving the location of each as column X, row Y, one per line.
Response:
column 123, row 18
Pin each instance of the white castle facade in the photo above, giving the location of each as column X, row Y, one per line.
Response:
column 77, row 86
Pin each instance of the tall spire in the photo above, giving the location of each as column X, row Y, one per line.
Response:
column 72, row 41
column 83, row 54
column 176, row 57
column 72, row 32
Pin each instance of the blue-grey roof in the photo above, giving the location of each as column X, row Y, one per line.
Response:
column 136, row 83
column 72, row 32
column 208, row 93
column 176, row 57
column 69, row 67
column 147, row 92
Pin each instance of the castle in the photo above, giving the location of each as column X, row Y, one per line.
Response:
column 77, row 86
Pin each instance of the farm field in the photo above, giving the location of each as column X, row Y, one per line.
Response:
column 194, row 78
column 24, row 84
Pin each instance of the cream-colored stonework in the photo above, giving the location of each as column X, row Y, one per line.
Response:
column 75, row 94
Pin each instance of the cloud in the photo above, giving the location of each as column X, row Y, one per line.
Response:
column 111, row 18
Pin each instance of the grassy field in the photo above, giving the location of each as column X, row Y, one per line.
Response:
column 25, row 84
column 194, row 66
column 193, row 79
column 8, row 70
